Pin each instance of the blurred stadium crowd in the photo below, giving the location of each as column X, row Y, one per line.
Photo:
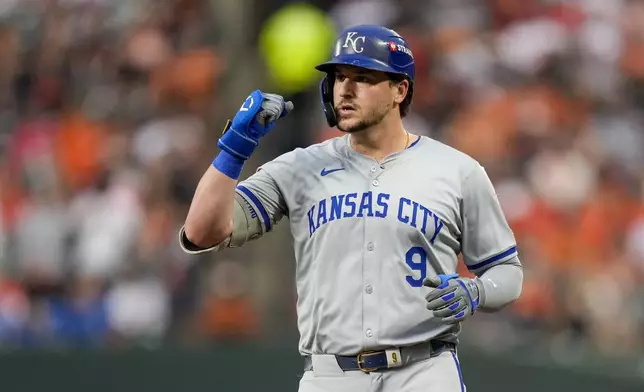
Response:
column 110, row 111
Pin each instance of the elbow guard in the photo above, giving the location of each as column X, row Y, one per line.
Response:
column 246, row 227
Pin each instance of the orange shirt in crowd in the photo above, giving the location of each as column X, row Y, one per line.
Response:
column 229, row 317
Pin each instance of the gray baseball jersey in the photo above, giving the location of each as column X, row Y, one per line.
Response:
column 366, row 235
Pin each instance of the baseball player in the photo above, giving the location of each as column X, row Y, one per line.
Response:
column 378, row 216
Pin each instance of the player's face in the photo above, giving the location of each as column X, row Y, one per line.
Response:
column 362, row 98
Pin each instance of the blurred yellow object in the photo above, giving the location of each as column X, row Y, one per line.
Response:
column 292, row 42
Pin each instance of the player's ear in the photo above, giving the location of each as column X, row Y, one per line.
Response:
column 401, row 90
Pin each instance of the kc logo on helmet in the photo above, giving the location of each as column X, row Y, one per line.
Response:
column 357, row 43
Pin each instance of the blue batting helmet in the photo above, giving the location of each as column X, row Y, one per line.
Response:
column 371, row 47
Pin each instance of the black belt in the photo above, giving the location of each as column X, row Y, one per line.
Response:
column 373, row 361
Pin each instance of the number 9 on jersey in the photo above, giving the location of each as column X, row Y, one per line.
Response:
column 416, row 259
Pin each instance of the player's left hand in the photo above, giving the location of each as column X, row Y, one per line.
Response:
column 453, row 299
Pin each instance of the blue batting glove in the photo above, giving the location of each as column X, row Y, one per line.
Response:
column 255, row 118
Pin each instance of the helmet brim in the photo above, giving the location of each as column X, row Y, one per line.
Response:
column 356, row 61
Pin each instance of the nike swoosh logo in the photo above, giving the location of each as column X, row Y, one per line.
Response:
column 325, row 172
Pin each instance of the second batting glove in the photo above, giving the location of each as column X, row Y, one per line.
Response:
column 453, row 298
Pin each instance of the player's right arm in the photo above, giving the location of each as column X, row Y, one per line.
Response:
column 220, row 212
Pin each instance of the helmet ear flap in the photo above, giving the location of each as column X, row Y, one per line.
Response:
column 326, row 93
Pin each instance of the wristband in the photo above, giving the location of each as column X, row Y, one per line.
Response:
column 228, row 164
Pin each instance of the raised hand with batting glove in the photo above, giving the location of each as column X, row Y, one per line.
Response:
column 453, row 298
column 255, row 118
